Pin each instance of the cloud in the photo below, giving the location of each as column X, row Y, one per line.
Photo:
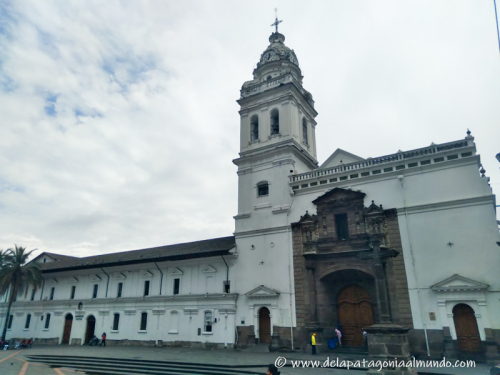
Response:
column 119, row 120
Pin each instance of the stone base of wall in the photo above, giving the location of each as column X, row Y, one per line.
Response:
column 49, row 341
column 246, row 337
column 130, row 342
column 196, row 345
column 442, row 345
column 76, row 342
column 170, row 344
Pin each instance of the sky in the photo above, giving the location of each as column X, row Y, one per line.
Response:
column 119, row 121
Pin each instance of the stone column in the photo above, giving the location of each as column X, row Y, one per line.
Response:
column 313, row 324
column 381, row 286
column 389, row 342
column 313, row 312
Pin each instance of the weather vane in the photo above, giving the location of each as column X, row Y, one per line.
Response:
column 276, row 22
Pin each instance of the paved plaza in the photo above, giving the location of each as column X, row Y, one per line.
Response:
column 115, row 360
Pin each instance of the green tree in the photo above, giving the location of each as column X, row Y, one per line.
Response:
column 16, row 276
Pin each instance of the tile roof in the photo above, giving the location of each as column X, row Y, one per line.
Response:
column 189, row 250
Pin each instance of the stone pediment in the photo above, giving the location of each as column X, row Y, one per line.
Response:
column 339, row 195
column 95, row 278
column 146, row 273
column 120, row 276
column 52, row 281
column 340, row 157
column 307, row 219
column 457, row 283
column 373, row 209
column 209, row 269
column 176, row 271
column 262, row 292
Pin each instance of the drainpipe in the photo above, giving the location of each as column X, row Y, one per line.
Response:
column 227, row 273
column 290, row 270
column 400, row 178
column 161, row 279
column 43, row 286
column 107, row 284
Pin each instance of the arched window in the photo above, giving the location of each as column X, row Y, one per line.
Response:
column 144, row 321
column 116, row 322
column 262, row 189
column 208, row 321
column 28, row 321
column 254, row 128
column 275, row 122
column 304, row 132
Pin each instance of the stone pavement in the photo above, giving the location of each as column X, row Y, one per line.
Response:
column 15, row 362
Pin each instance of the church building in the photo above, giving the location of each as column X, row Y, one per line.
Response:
column 409, row 238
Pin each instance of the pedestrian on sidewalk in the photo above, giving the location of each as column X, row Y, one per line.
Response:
column 313, row 343
column 339, row 335
column 103, row 342
column 272, row 370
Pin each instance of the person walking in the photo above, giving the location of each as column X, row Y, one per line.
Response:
column 272, row 370
column 339, row 336
column 103, row 342
column 313, row 343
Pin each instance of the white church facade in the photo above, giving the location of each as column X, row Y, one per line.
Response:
column 409, row 238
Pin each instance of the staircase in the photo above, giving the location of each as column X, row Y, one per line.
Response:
column 121, row 366
column 358, row 350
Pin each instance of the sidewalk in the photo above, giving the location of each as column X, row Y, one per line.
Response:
column 12, row 362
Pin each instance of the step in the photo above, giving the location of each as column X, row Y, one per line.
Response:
column 92, row 364
column 139, row 361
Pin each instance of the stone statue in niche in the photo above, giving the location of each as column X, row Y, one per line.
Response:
column 376, row 228
column 308, row 235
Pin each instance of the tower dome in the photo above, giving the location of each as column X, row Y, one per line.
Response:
column 277, row 51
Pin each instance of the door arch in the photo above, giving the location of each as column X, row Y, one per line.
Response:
column 465, row 321
column 68, row 323
column 90, row 332
column 355, row 312
column 264, row 325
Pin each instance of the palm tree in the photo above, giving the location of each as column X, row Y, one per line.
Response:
column 17, row 276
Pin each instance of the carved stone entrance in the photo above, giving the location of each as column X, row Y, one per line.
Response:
column 468, row 337
column 264, row 325
column 67, row 329
column 355, row 312
column 89, row 334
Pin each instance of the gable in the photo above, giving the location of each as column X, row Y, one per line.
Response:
column 340, row 157
column 339, row 194
column 262, row 292
column 457, row 283
column 176, row 271
column 209, row 269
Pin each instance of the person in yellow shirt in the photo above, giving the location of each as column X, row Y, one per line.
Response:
column 313, row 343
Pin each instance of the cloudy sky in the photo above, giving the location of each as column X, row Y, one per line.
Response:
column 119, row 121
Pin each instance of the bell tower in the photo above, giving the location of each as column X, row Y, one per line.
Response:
column 277, row 135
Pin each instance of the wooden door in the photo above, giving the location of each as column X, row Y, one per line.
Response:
column 466, row 327
column 89, row 334
column 355, row 312
column 264, row 325
column 67, row 329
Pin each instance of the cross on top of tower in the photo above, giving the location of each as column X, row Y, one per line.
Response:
column 276, row 22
